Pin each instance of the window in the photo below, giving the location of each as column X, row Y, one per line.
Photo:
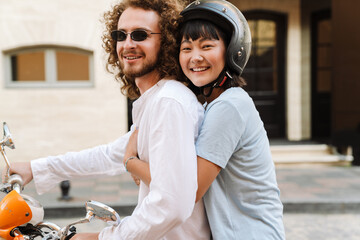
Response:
column 265, row 70
column 49, row 66
column 321, row 74
column 323, row 64
column 262, row 65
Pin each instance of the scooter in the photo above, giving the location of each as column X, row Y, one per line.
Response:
column 21, row 216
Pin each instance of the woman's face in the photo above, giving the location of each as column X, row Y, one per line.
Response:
column 202, row 60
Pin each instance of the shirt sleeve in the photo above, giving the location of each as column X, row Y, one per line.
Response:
column 104, row 160
column 220, row 133
column 173, row 169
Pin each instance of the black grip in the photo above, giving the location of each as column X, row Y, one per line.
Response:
column 69, row 236
column 73, row 232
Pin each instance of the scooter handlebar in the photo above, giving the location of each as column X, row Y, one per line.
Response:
column 16, row 182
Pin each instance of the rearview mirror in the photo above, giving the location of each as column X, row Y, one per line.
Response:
column 102, row 211
column 7, row 139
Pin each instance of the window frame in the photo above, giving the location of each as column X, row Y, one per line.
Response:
column 271, row 104
column 51, row 80
column 280, row 47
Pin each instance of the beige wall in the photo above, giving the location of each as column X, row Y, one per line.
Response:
column 49, row 121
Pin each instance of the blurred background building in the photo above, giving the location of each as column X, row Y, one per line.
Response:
column 56, row 95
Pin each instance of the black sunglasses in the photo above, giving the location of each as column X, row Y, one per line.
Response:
column 136, row 35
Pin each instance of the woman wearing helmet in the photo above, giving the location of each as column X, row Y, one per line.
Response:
column 236, row 174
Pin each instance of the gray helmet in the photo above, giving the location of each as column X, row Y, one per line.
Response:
column 232, row 22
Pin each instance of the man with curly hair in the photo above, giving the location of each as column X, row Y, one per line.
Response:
column 166, row 62
column 141, row 42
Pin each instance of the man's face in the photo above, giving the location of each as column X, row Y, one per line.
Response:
column 138, row 58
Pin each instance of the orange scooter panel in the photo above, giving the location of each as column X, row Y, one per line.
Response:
column 20, row 237
column 14, row 211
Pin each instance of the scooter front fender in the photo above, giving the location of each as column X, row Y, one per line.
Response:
column 14, row 212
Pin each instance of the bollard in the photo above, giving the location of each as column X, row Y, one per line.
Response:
column 65, row 189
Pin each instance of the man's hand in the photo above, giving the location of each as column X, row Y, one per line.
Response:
column 21, row 168
column 85, row 236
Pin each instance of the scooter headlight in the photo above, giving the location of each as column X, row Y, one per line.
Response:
column 36, row 209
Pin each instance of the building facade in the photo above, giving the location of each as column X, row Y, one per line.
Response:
column 57, row 96
column 55, row 92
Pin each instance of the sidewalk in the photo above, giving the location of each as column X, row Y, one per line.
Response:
column 319, row 188
column 304, row 188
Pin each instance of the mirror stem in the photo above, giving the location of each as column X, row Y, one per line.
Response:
column 88, row 218
column 7, row 175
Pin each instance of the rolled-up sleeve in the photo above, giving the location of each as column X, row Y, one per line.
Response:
column 173, row 169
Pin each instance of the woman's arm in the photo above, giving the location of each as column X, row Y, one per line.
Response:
column 137, row 168
column 207, row 171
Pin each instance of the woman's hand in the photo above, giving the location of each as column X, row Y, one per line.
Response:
column 136, row 179
column 131, row 148
column 139, row 169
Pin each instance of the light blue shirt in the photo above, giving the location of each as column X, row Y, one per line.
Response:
column 243, row 202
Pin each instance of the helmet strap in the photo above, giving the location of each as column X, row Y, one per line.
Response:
column 217, row 83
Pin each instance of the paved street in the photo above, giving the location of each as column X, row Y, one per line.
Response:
column 320, row 202
column 304, row 189
column 322, row 226
column 297, row 226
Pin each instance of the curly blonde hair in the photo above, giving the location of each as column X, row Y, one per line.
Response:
column 169, row 12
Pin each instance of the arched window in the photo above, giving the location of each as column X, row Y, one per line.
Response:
column 48, row 66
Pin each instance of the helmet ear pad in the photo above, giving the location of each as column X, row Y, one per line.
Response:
column 237, row 57
column 228, row 18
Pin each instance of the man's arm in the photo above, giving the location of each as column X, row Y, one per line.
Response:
column 104, row 160
column 173, row 184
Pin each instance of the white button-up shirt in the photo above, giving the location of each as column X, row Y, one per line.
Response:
column 168, row 116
